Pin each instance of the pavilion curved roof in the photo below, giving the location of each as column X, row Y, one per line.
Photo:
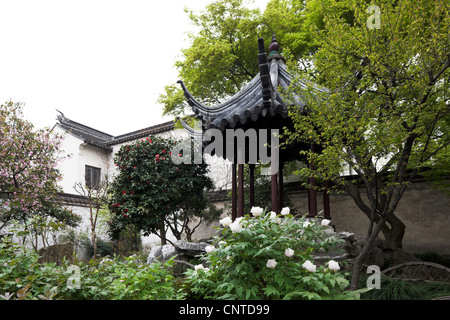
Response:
column 260, row 98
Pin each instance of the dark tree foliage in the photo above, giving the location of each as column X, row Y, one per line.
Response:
column 150, row 190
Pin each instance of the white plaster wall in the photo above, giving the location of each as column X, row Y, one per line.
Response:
column 81, row 154
column 69, row 167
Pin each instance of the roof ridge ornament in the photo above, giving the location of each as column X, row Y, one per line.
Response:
column 274, row 50
column 61, row 117
column 264, row 73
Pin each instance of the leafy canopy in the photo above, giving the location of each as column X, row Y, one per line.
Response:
column 150, row 187
column 377, row 102
column 222, row 56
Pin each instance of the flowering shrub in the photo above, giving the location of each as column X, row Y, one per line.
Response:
column 149, row 190
column 28, row 170
column 269, row 256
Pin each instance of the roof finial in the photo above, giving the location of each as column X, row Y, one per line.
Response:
column 273, row 49
column 274, row 44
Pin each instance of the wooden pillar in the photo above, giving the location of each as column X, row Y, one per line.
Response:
column 241, row 190
column 326, row 200
column 275, row 199
column 274, row 180
column 280, row 181
column 251, row 185
column 233, row 192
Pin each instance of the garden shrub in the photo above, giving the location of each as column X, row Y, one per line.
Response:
column 269, row 256
column 111, row 279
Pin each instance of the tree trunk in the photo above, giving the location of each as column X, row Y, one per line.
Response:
column 94, row 243
column 394, row 234
column 393, row 228
column 162, row 232
column 357, row 265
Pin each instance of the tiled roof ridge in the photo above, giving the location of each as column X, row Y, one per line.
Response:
column 104, row 140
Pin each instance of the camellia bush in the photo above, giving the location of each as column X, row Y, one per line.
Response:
column 269, row 256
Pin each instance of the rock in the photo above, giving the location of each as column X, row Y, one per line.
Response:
column 184, row 250
column 154, row 254
column 351, row 246
column 57, row 252
column 168, row 251
column 191, row 249
column 347, row 236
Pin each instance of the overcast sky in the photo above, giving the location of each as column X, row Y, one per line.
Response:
column 102, row 63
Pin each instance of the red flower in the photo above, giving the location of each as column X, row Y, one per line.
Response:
column 164, row 151
column 124, row 192
column 132, row 192
column 124, row 215
column 126, row 209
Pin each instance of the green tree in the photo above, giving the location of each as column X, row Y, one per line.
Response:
column 150, row 191
column 222, row 56
column 378, row 103
column 28, row 170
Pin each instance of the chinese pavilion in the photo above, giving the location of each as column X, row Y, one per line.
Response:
column 259, row 105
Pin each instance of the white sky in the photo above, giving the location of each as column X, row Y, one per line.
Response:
column 102, row 63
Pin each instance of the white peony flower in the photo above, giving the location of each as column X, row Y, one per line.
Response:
column 199, row 267
column 209, row 249
column 273, row 215
column 288, row 252
column 308, row 265
column 271, row 263
column 325, row 222
column 285, row 211
column 306, row 224
column 333, row 265
column 256, row 211
column 226, row 221
column 236, row 226
column 222, row 242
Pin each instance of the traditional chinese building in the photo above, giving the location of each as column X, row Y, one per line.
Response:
column 263, row 106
